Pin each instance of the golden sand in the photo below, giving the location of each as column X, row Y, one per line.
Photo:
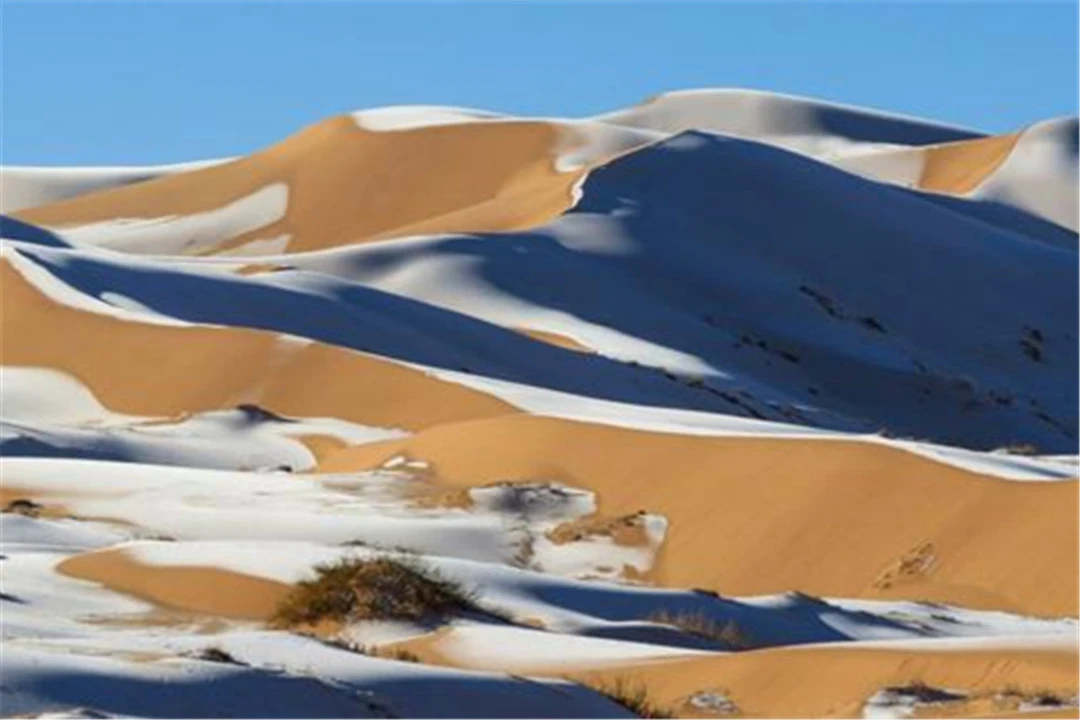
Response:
column 762, row 515
column 556, row 339
column 193, row 589
column 959, row 167
column 349, row 185
column 809, row 681
column 145, row 369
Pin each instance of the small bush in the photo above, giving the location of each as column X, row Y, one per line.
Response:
column 925, row 693
column 371, row 650
column 1040, row 697
column 872, row 323
column 22, row 506
column 216, row 654
column 399, row 654
column 706, row 591
column 372, row 589
column 632, row 696
column 728, row 633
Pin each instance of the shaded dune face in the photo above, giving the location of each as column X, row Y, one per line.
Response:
column 349, row 185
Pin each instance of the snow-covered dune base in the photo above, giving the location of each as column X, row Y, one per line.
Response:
column 126, row 656
column 731, row 404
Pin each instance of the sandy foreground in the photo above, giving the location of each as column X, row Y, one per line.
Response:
column 175, row 464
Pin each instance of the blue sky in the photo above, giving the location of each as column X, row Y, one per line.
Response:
column 143, row 82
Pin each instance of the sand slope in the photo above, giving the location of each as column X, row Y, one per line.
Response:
column 828, row 518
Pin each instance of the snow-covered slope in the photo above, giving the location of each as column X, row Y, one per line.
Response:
column 814, row 127
column 27, row 187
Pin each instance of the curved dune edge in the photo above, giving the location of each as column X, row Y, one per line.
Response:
column 205, row 590
column 321, row 446
column 959, row 167
column 809, row 681
column 760, row 515
column 144, row 369
column 836, row 682
column 473, row 177
column 556, row 339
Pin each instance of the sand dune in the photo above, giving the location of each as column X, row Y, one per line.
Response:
column 815, row 127
column 27, row 187
column 960, row 167
column 203, row 590
column 517, row 184
column 765, row 402
column 151, row 370
column 838, row 682
column 824, row 518
column 820, row 681
column 511, row 183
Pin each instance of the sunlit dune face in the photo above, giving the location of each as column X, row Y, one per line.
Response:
column 207, row 590
column 155, row 370
column 958, row 168
column 348, row 185
column 751, row 516
column 838, row 682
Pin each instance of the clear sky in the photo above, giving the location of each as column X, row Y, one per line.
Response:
column 144, row 82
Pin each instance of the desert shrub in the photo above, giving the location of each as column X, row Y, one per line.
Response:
column 399, row 654
column 924, row 693
column 372, row 589
column 22, row 506
column 633, row 696
column 1041, row 697
column 216, row 654
column 375, row 651
column 706, row 591
column 699, row 624
column 872, row 323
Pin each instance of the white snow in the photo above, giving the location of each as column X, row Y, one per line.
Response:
column 30, row 394
column 411, row 117
column 185, row 234
column 24, row 187
column 805, row 125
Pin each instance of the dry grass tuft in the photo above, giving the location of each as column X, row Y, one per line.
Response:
column 399, row 654
column 216, row 654
column 633, row 696
column 354, row 589
column 728, row 633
